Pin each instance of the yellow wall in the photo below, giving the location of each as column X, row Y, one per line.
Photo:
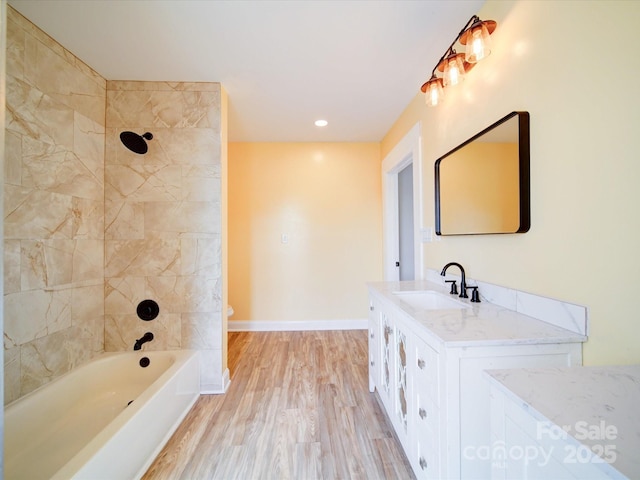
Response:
column 327, row 198
column 573, row 66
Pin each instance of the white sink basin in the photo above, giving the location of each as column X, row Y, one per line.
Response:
column 429, row 300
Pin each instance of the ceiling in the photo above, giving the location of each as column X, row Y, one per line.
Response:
column 284, row 64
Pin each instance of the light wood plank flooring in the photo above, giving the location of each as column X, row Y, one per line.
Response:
column 298, row 407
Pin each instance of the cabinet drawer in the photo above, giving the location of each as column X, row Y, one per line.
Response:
column 426, row 371
column 427, row 461
column 374, row 354
column 373, row 343
column 426, row 413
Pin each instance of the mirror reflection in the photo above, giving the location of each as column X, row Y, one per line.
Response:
column 482, row 186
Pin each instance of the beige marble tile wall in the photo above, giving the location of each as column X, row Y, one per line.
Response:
column 54, row 209
column 163, row 219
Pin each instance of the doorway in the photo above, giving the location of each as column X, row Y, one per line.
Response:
column 402, row 209
column 406, row 235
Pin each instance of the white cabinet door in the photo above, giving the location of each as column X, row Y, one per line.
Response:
column 387, row 364
column 401, row 383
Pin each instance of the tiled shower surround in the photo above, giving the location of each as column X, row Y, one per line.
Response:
column 91, row 229
column 163, row 219
column 54, row 210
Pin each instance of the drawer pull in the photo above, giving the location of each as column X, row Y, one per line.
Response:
column 371, row 308
column 421, row 364
column 372, row 363
column 422, row 412
column 423, row 463
column 373, row 335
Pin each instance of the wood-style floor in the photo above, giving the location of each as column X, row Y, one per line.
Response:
column 298, row 408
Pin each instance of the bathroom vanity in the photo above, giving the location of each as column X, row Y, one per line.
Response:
column 565, row 423
column 427, row 354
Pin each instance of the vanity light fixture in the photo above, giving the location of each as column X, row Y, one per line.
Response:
column 321, row 123
column 452, row 66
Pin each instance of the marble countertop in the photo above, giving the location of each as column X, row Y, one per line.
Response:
column 596, row 405
column 479, row 325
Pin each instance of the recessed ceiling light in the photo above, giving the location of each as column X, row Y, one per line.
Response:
column 321, row 123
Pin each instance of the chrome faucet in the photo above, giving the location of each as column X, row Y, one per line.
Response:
column 147, row 337
column 463, row 282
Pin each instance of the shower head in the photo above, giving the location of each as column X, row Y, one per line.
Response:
column 134, row 142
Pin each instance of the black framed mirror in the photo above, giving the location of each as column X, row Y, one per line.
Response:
column 483, row 185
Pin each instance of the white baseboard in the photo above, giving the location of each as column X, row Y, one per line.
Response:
column 214, row 389
column 226, row 381
column 296, row 325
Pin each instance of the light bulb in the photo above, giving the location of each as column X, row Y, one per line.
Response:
column 433, row 92
column 477, row 40
column 453, row 69
column 433, row 97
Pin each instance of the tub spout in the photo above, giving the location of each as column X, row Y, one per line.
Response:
column 147, row 337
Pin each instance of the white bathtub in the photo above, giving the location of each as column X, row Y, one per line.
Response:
column 80, row 426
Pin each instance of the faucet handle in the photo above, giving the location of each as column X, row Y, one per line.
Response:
column 454, row 287
column 475, row 296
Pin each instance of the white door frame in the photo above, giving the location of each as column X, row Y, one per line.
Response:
column 407, row 151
